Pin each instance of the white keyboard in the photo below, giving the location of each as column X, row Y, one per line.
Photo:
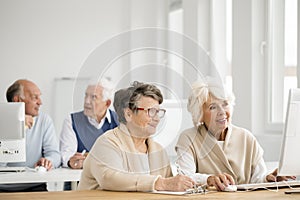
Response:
column 255, row 186
column 12, row 169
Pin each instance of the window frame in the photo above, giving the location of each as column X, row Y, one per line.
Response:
column 276, row 69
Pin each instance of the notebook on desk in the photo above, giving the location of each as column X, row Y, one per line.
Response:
column 12, row 169
column 269, row 185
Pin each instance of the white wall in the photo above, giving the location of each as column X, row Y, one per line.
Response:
column 43, row 40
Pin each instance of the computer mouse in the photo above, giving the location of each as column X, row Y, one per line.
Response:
column 230, row 188
column 40, row 169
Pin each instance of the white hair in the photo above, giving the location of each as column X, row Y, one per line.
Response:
column 108, row 88
column 201, row 91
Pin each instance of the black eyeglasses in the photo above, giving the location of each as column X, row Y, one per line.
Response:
column 152, row 112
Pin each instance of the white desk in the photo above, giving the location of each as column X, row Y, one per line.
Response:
column 30, row 176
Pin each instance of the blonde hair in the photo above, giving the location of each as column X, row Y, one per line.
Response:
column 201, row 91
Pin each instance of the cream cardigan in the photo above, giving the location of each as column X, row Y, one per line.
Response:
column 114, row 164
column 238, row 157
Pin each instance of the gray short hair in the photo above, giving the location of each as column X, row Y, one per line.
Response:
column 106, row 84
column 145, row 90
column 201, row 91
column 121, row 100
column 127, row 98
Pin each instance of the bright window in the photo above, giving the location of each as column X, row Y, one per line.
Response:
column 282, row 56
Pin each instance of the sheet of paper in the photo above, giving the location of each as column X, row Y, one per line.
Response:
column 169, row 192
column 178, row 193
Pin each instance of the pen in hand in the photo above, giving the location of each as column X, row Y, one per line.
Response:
column 179, row 170
column 82, row 153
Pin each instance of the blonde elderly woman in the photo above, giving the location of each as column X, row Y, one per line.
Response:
column 214, row 151
column 126, row 158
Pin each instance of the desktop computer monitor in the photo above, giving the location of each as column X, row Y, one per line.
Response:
column 12, row 132
column 289, row 162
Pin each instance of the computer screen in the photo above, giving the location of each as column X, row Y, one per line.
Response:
column 289, row 162
column 12, row 133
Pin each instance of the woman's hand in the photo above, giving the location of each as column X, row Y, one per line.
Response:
column 177, row 183
column 272, row 177
column 220, row 181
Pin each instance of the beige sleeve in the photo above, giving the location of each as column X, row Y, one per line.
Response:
column 107, row 167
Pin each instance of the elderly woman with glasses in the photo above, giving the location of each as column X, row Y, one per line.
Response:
column 126, row 158
column 216, row 152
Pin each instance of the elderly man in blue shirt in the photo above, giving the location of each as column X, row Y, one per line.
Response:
column 42, row 146
column 81, row 129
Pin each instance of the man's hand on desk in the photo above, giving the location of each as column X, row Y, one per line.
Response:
column 76, row 161
column 45, row 163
